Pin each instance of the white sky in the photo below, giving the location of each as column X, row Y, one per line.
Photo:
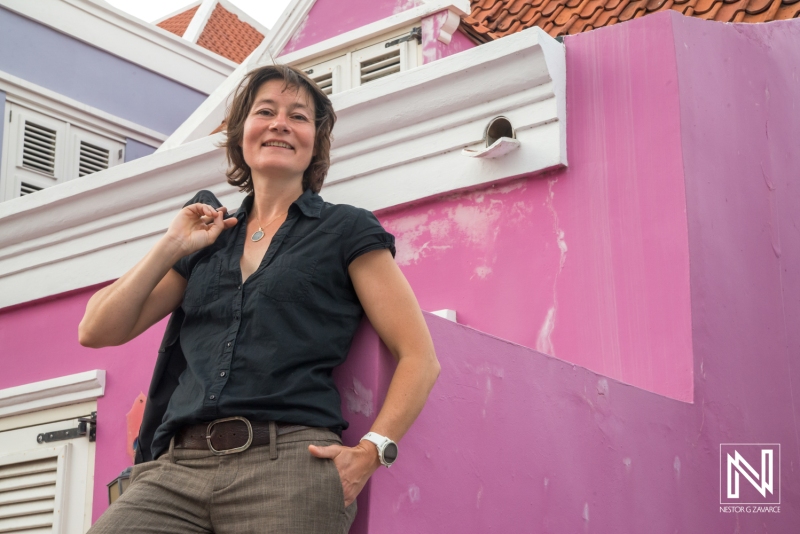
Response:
column 266, row 12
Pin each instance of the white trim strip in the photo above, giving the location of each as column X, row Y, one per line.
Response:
column 199, row 21
column 52, row 393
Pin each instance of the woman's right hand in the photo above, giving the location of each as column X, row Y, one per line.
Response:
column 198, row 226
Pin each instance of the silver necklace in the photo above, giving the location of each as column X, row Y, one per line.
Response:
column 259, row 234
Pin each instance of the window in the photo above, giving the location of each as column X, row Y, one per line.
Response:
column 367, row 63
column 43, row 150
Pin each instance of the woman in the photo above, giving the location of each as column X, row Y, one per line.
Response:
column 271, row 296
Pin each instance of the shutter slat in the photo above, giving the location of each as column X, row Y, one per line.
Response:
column 27, row 508
column 27, row 468
column 380, row 66
column 27, row 189
column 16, row 524
column 92, row 159
column 39, row 148
column 28, row 481
column 27, row 495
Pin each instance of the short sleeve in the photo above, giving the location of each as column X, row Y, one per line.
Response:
column 366, row 234
column 185, row 265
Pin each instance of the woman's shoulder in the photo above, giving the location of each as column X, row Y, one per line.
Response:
column 344, row 214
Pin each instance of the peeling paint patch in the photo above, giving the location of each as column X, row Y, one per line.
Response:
column 546, row 481
column 413, row 493
column 359, row 398
column 480, row 494
column 404, row 5
column 676, row 465
column 627, row 463
column 483, row 271
column 477, row 223
column 543, row 342
column 585, row 514
column 602, row 387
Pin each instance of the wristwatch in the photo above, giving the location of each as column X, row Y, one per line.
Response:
column 387, row 449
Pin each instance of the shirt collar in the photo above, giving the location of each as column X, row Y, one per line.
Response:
column 309, row 203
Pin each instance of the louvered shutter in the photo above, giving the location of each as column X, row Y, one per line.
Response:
column 329, row 75
column 32, row 489
column 379, row 61
column 46, row 487
column 93, row 153
column 39, row 148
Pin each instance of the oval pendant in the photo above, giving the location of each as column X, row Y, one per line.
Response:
column 257, row 235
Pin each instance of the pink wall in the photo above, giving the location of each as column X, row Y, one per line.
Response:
column 590, row 264
column 40, row 341
column 329, row 18
column 512, row 440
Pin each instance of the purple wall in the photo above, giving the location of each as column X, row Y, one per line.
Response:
column 135, row 150
column 317, row 25
column 60, row 63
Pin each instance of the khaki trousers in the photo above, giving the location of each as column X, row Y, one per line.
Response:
column 188, row 491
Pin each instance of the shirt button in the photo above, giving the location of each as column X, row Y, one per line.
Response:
column 229, row 343
column 222, row 373
column 239, row 286
column 212, row 397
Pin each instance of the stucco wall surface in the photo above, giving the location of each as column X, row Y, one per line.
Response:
column 329, row 18
column 92, row 76
column 740, row 124
column 590, row 264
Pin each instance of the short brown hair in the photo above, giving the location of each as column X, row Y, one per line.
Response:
column 324, row 118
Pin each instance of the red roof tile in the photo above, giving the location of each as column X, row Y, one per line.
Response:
column 177, row 24
column 492, row 19
column 228, row 36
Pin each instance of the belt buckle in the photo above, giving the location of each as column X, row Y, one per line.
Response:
column 235, row 449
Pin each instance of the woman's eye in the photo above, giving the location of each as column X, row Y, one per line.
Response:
column 300, row 117
column 264, row 112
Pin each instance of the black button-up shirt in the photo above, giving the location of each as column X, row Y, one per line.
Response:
column 265, row 349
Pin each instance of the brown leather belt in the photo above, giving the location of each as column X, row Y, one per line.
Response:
column 229, row 435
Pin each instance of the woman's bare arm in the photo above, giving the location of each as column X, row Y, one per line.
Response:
column 392, row 308
column 151, row 289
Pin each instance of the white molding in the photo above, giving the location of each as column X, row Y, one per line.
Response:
column 199, row 21
column 52, row 393
column 450, row 25
column 450, row 315
column 26, row 93
column 110, row 29
column 397, row 140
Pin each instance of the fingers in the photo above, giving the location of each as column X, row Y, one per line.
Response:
column 330, row 451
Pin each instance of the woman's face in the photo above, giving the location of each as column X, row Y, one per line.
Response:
column 279, row 132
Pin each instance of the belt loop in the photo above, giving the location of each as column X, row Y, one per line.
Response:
column 273, row 441
column 171, row 453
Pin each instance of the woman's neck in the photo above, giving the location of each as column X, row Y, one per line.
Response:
column 273, row 197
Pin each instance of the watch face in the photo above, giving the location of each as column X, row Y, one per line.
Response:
column 390, row 452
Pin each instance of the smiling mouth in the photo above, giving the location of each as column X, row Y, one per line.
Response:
column 278, row 144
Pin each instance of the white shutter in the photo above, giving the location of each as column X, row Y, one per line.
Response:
column 36, row 152
column 45, row 487
column 46, row 151
column 93, row 153
column 329, row 75
column 379, row 60
column 366, row 64
column 32, row 490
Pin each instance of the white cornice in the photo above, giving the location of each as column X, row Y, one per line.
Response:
column 52, row 393
column 103, row 26
column 397, row 140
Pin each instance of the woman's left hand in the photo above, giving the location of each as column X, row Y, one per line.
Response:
column 355, row 465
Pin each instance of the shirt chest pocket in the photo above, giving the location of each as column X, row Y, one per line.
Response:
column 203, row 286
column 287, row 279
